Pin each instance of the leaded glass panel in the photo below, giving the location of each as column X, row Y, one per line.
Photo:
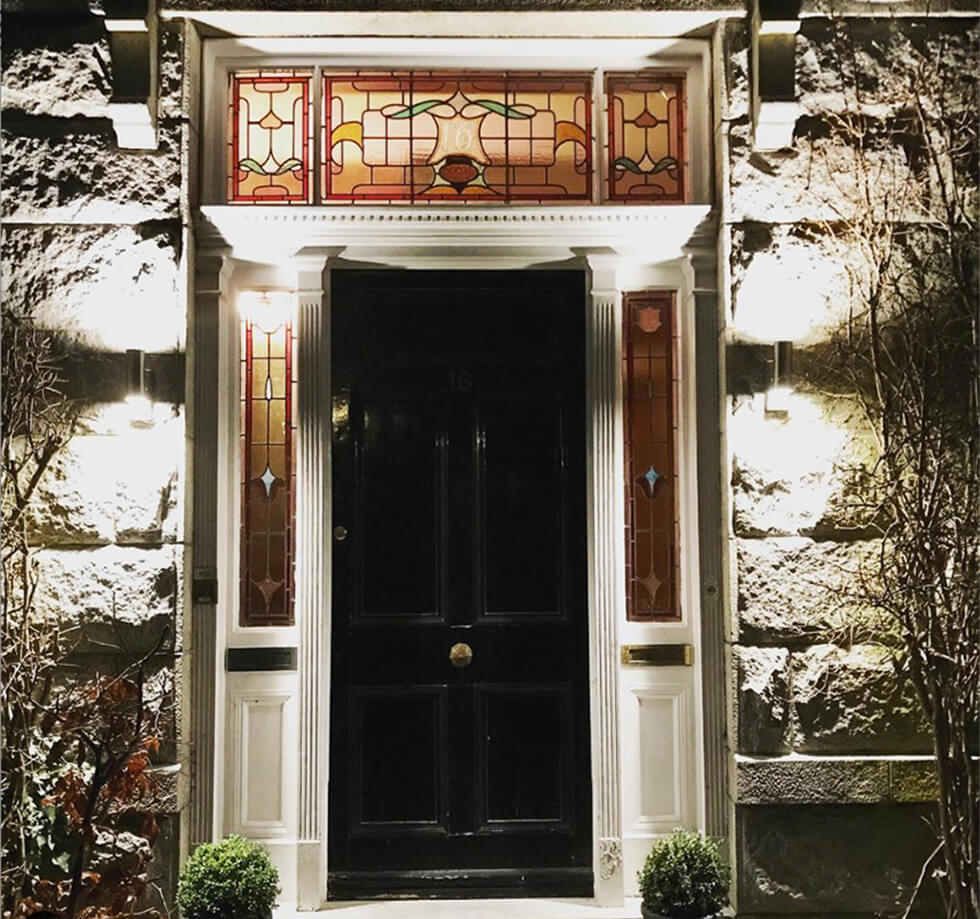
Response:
column 650, row 427
column 270, row 137
column 457, row 137
column 268, row 466
column 646, row 137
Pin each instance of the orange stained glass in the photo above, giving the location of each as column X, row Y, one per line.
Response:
column 270, row 143
column 646, row 137
column 460, row 137
column 268, row 473
column 650, row 429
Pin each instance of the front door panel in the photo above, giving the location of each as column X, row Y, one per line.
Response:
column 459, row 513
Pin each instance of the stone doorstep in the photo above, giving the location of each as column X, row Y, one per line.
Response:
column 469, row 909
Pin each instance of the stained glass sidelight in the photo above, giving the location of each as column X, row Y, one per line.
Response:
column 646, row 137
column 650, row 428
column 456, row 137
column 270, row 143
column 268, row 468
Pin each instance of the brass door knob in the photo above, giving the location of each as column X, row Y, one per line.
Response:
column 461, row 655
column 339, row 534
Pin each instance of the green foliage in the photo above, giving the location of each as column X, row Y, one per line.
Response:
column 684, row 876
column 231, row 879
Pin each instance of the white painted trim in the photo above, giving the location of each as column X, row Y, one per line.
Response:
column 466, row 237
column 610, row 270
column 509, row 24
column 243, row 700
column 626, row 247
column 313, row 569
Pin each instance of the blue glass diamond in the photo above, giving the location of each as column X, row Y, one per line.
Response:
column 268, row 479
column 648, row 481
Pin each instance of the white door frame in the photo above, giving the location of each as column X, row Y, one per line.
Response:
column 627, row 248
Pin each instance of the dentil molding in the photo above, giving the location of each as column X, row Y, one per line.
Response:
column 266, row 233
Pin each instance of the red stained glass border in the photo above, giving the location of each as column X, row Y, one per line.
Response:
column 660, row 534
column 235, row 155
column 619, row 82
column 513, row 193
column 280, row 612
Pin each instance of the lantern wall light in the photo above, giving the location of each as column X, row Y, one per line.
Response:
column 139, row 388
column 779, row 392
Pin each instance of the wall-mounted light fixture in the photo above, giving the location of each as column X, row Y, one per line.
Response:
column 268, row 310
column 778, row 394
column 775, row 104
column 139, row 388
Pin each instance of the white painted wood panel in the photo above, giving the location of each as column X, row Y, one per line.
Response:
column 658, row 744
column 261, row 736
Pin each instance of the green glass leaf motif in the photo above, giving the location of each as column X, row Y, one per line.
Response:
column 668, row 162
column 252, row 166
column 410, row 111
column 501, row 109
column 624, row 162
column 289, row 166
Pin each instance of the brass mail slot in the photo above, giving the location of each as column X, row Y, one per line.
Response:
column 673, row 655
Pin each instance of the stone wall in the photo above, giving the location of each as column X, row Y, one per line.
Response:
column 832, row 767
column 832, row 777
column 92, row 247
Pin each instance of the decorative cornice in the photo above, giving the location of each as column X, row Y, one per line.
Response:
column 275, row 232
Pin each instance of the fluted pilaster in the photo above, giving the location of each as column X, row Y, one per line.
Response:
column 606, row 531
column 312, row 566
column 211, row 281
column 708, row 333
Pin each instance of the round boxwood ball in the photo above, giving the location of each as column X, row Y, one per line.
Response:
column 231, row 879
column 684, row 877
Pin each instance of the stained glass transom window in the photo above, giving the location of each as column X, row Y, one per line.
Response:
column 650, row 427
column 458, row 137
column 646, row 137
column 268, row 463
column 270, row 148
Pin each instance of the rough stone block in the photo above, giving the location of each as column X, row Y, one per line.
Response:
column 795, row 589
column 738, row 80
column 786, row 286
column 118, row 594
column 913, row 781
column 851, row 701
column 68, row 171
column 61, row 71
column 104, row 489
column 880, row 48
column 109, row 287
column 812, row 781
column 171, row 70
column 763, row 699
column 820, row 859
column 814, row 181
column 74, row 503
column 794, row 476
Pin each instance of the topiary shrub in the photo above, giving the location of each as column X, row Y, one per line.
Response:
column 684, row 877
column 231, row 879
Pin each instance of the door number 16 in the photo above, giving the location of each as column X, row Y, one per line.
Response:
column 460, row 380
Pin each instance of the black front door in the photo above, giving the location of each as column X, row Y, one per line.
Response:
column 459, row 761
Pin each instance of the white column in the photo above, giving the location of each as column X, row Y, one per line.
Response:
column 212, row 273
column 606, row 585
column 712, row 524
column 312, row 571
